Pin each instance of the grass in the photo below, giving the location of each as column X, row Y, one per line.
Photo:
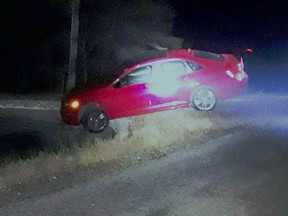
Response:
column 151, row 132
column 45, row 166
column 147, row 133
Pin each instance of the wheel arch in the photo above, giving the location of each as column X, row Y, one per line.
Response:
column 204, row 87
column 89, row 107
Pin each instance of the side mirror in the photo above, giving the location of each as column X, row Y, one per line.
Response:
column 118, row 84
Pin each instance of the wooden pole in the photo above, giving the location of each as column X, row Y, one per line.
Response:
column 70, row 75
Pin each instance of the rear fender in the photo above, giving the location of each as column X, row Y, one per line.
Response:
column 206, row 86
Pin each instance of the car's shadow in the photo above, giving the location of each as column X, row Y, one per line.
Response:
column 22, row 145
column 28, row 143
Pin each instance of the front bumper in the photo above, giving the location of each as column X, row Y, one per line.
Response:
column 69, row 116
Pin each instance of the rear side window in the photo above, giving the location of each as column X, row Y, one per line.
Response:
column 174, row 67
column 194, row 66
column 209, row 55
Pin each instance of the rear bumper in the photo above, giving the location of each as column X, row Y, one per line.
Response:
column 241, row 87
column 236, row 88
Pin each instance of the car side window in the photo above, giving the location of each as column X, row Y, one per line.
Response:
column 177, row 67
column 194, row 66
column 137, row 76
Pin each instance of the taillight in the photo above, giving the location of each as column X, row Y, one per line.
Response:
column 241, row 66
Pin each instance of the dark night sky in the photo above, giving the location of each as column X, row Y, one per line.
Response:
column 262, row 25
column 29, row 23
column 209, row 25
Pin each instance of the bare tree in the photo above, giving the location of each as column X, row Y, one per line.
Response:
column 114, row 30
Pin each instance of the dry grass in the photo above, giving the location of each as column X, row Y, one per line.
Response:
column 44, row 167
column 147, row 133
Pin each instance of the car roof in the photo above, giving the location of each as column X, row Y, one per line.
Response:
column 160, row 54
column 143, row 57
column 156, row 55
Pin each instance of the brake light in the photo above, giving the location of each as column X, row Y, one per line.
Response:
column 241, row 66
column 249, row 50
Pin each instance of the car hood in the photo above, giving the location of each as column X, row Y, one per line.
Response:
column 83, row 92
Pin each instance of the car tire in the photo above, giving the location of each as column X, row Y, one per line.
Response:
column 95, row 121
column 203, row 99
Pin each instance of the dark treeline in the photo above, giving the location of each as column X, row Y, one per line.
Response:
column 35, row 35
column 35, row 44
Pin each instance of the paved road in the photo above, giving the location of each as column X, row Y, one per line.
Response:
column 241, row 173
column 25, row 131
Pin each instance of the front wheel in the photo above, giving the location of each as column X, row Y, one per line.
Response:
column 95, row 121
column 203, row 99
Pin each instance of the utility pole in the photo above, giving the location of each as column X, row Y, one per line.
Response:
column 70, row 75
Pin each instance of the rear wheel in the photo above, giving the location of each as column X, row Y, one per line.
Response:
column 203, row 99
column 95, row 121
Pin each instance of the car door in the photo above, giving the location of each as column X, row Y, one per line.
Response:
column 129, row 95
column 169, row 80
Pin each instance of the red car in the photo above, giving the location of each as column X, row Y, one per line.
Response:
column 160, row 81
